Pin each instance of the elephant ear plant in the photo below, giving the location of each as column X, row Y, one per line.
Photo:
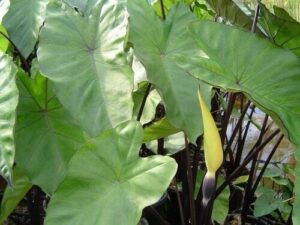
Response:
column 86, row 138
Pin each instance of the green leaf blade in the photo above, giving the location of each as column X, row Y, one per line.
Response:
column 23, row 28
column 123, row 182
column 8, row 104
column 239, row 61
column 13, row 195
column 46, row 135
column 244, row 65
column 156, row 44
column 98, row 94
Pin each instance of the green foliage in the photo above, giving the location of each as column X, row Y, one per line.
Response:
column 3, row 41
column 91, row 65
column 13, row 195
column 8, row 104
column 281, row 29
column 156, row 44
column 99, row 94
column 266, row 202
column 249, row 70
column 23, row 21
column 44, row 131
column 122, row 182
column 159, row 129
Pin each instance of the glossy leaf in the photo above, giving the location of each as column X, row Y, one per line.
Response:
column 155, row 44
column 23, row 21
column 46, row 136
column 3, row 40
column 159, row 129
column 122, row 181
column 281, row 30
column 244, row 65
column 8, row 104
column 13, row 195
column 89, row 71
column 240, row 62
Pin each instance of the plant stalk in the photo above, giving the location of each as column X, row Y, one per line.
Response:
column 190, row 182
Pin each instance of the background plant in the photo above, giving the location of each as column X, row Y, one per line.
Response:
column 105, row 90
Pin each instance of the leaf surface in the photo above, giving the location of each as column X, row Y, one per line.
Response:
column 3, row 40
column 281, row 29
column 8, row 105
column 121, row 186
column 84, row 58
column 46, row 135
column 159, row 129
column 23, row 21
column 85, row 6
column 13, row 195
column 240, row 62
column 229, row 10
column 155, row 43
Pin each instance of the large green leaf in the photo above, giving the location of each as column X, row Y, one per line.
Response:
column 156, row 43
column 108, row 183
column 8, row 104
column 281, row 30
column 84, row 58
column 240, row 61
column 46, row 136
column 13, row 195
column 23, row 21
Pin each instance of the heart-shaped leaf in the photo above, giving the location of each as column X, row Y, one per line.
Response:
column 46, row 135
column 84, row 58
column 155, row 43
column 108, row 183
column 8, row 105
column 240, row 61
column 23, row 21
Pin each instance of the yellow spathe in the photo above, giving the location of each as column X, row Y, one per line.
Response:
column 212, row 142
